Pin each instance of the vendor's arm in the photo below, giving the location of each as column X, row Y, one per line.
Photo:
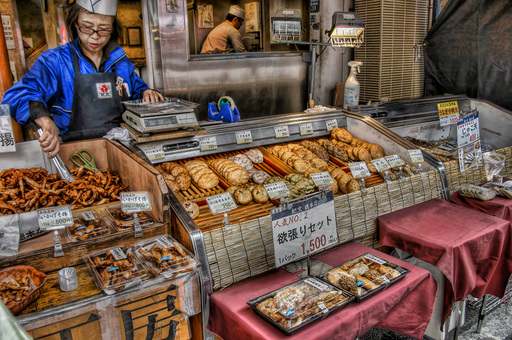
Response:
column 236, row 40
column 152, row 96
column 49, row 140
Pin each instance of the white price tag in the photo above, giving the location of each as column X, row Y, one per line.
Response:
column 306, row 129
column 221, row 203
column 135, row 201
column 468, row 130
column 321, row 286
column 243, row 137
column 381, row 164
column 7, row 143
column 416, row 155
column 306, row 227
column 118, row 254
column 394, row 160
column 375, row 259
column 331, row 124
column 448, row 113
column 88, row 215
column 208, row 143
column 276, row 190
column 154, row 152
column 321, row 178
column 282, row 131
column 164, row 242
column 359, row 169
column 55, row 218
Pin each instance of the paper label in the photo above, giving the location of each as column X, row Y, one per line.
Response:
column 55, row 218
column 282, row 131
column 394, row 160
column 276, row 190
column 208, row 143
column 468, row 130
column 359, row 169
column 8, row 34
column 135, row 201
column 374, row 259
column 470, row 156
column 331, row 124
column 416, row 156
column 7, row 143
column 118, row 254
column 448, row 113
column 321, row 286
column 321, row 178
column 381, row 164
column 243, row 137
column 164, row 242
column 154, row 152
column 88, row 215
column 306, row 129
column 221, row 203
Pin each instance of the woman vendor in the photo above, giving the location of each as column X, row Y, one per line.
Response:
column 76, row 90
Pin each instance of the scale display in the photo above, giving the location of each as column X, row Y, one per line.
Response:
column 166, row 122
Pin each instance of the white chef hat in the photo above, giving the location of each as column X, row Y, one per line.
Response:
column 237, row 11
column 105, row 7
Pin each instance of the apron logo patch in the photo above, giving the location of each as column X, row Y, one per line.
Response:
column 104, row 90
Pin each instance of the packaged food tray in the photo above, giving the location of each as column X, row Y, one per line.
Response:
column 123, row 221
column 87, row 225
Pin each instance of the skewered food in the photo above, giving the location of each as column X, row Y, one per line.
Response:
column 231, row 171
column 201, row 174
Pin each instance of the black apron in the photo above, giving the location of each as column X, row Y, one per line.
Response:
column 97, row 106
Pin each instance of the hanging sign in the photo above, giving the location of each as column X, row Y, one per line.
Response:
column 304, row 228
column 243, row 137
column 55, row 218
column 208, row 143
column 154, row 153
column 221, row 203
column 306, row 129
column 9, row 36
column 468, row 130
column 448, row 113
column 135, row 201
column 416, row 156
column 282, row 131
column 331, row 124
column 359, row 169
column 7, row 143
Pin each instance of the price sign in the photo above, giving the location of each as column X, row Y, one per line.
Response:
column 276, row 190
column 118, row 254
column 282, row 131
column 394, row 160
column 468, row 130
column 416, row 155
column 448, row 113
column 243, row 137
column 208, row 143
column 164, row 242
column 305, row 228
column 470, row 156
column 55, row 218
column 321, row 178
column 88, row 215
column 221, row 203
column 7, row 143
column 306, row 129
column 381, row 164
column 154, row 152
column 359, row 169
column 331, row 124
column 135, row 201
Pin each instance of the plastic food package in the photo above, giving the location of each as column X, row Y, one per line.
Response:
column 364, row 275
column 474, row 191
column 165, row 256
column 115, row 269
column 123, row 221
column 297, row 304
column 88, row 224
column 494, row 163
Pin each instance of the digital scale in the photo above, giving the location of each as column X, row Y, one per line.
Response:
column 167, row 115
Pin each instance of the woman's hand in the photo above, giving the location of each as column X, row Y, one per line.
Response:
column 152, row 96
column 49, row 140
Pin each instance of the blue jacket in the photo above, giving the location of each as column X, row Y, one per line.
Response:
column 50, row 81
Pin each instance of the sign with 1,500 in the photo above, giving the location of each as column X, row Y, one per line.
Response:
column 304, row 228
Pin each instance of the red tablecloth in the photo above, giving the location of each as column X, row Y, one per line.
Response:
column 499, row 206
column 472, row 249
column 405, row 306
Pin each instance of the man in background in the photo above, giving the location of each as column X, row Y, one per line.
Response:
column 225, row 38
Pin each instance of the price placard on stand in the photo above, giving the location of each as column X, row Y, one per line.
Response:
column 276, row 190
column 243, row 137
column 359, row 169
column 468, row 130
column 416, row 156
column 306, row 129
column 208, row 143
column 282, row 131
column 321, row 178
column 470, row 156
column 381, row 164
column 55, row 218
column 135, row 201
column 304, row 228
column 394, row 160
column 448, row 113
column 154, row 152
column 331, row 124
column 7, row 143
column 221, row 203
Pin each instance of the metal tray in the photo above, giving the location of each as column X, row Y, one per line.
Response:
column 375, row 260
column 168, row 105
column 320, row 314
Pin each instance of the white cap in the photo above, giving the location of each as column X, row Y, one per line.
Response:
column 237, row 11
column 105, row 7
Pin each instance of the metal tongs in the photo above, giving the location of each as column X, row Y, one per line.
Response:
column 62, row 169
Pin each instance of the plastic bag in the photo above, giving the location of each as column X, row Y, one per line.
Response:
column 9, row 235
column 494, row 164
column 118, row 133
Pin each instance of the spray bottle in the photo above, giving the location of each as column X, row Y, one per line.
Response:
column 351, row 97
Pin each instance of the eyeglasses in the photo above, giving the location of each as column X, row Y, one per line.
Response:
column 90, row 31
